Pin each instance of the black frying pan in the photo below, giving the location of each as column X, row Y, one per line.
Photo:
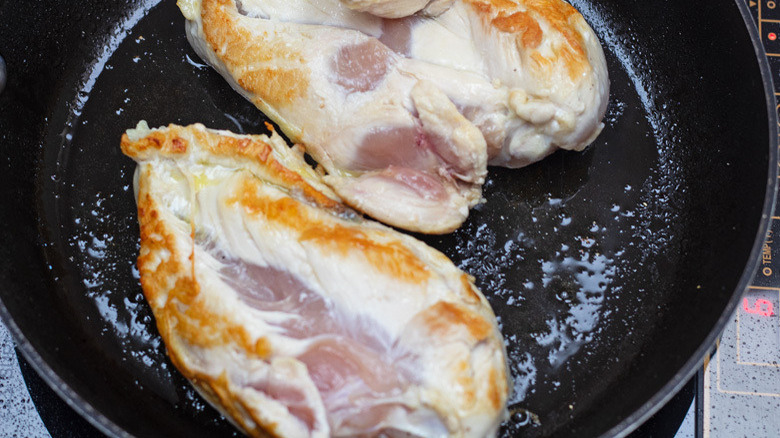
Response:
column 612, row 270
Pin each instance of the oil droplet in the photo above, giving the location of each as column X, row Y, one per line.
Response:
column 197, row 65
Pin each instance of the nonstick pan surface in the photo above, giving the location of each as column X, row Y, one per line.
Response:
column 612, row 270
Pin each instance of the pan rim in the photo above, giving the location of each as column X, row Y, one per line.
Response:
column 627, row 425
column 75, row 401
column 673, row 386
column 56, row 383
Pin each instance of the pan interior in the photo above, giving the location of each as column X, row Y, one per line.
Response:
column 607, row 268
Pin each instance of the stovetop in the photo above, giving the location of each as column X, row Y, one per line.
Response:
column 737, row 392
column 30, row 409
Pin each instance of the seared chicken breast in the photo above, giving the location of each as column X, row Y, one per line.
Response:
column 404, row 113
column 292, row 314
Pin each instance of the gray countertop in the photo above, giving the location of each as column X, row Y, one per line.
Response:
column 18, row 417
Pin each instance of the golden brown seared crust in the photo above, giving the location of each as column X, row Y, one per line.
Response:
column 181, row 318
column 156, row 141
column 493, row 387
column 172, row 141
column 470, row 293
column 521, row 23
column 260, row 152
column 497, row 389
column 444, row 317
column 276, row 85
column 507, row 16
column 447, row 320
column 391, row 258
column 181, row 306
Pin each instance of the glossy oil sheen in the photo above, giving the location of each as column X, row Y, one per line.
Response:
column 608, row 268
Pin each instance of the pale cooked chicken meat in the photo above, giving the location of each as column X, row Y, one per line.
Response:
column 405, row 113
column 398, row 8
column 292, row 314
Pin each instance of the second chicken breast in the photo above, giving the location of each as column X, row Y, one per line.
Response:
column 405, row 114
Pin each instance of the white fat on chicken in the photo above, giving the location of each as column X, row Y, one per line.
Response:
column 295, row 316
